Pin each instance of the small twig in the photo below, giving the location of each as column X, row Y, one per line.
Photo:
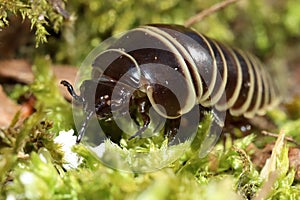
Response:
column 207, row 12
column 266, row 188
column 287, row 138
column 271, row 171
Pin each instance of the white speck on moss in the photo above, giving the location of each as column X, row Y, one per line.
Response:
column 67, row 140
column 27, row 178
column 11, row 197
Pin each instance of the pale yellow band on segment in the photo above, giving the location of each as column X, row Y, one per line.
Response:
column 221, row 91
column 210, row 88
column 123, row 53
column 235, row 95
column 241, row 110
column 191, row 98
column 253, row 111
column 184, row 53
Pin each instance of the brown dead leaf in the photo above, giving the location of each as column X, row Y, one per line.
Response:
column 20, row 71
column 261, row 155
column 294, row 159
column 8, row 109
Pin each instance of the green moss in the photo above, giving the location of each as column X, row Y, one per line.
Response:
column 31, row 164
column 48, row 96
column 40, row 13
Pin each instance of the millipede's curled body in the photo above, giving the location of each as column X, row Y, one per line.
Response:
column 211, row 75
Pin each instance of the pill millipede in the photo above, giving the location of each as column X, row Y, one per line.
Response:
column 214, row 75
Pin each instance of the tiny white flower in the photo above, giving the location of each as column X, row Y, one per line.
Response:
column 27, row 178
column 67, row 140
column 41, row 17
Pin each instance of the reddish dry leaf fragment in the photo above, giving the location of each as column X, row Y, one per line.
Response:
column 27, row 105
column 294, row 159
column 8, row 109
column 20, row 71
column 261, row 155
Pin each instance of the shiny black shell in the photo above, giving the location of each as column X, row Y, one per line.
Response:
column 210, row 71
column 173, row 69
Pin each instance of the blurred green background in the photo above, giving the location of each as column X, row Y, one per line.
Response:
column 66, row 31
column 268, row 28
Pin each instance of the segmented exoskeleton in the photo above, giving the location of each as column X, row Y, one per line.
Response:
column 145, row 63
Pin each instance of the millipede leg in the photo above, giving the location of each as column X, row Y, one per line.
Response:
column 83, row 127
column 143, row 109
column 171, row 128
column 146, row 120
